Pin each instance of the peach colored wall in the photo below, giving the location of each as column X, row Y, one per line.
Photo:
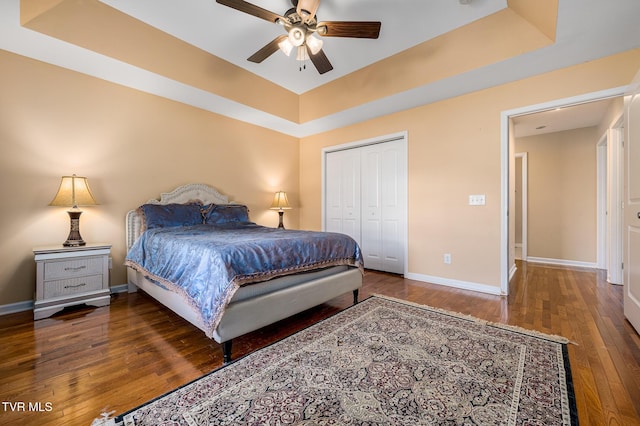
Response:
column 492, row 39
column 90, row 24
column 454, row 151
column 132, row 146
column 562, row 189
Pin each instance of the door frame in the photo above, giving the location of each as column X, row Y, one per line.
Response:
column 610, row 196
column 505, row 154
column 602, row 257
column 524, row 158
column 403, row 136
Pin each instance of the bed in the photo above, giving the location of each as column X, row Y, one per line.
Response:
column 227, row 300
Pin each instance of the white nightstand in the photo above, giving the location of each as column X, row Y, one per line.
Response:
column 67, row 276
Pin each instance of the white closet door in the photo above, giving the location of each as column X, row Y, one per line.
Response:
column 383, row 206
column 343, row 193
column 366, row 198
column 372, row 249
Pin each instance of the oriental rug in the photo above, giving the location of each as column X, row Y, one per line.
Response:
column 383, row 362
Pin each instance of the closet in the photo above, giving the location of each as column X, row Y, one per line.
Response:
column 366, row 198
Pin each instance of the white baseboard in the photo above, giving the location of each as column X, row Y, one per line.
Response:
column 562, row 262
column 122, row 288
column 512, row 271
column 27, row 305
column 13, row 308
column 464, row 285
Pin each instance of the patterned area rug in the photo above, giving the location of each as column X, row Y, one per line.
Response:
column 383, row 362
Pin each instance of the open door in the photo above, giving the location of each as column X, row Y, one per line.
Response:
column 632, row 205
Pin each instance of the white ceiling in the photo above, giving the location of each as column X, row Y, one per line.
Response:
column 234, row 36
column 586, row 30
column 560, row 119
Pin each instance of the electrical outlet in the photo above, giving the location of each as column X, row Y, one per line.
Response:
column 447, row 258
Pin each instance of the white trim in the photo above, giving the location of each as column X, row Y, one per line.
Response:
column 122, row 288
column 448, row 282
column 370, row 141
column 13, row 308
column 615, row 183
column 562, row 262
column 504, row 158
column 512, row 271
column 524, row 179
column 601, row 197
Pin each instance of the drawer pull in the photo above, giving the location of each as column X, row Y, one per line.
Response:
column 75, row 269
column 75, row 286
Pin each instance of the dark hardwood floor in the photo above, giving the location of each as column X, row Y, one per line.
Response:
column 69, row 368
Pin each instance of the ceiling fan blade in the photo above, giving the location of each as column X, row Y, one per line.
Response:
column 268, row 50
column 306, row 9
column 356, row 29
column 251, row 9
column 320, row 61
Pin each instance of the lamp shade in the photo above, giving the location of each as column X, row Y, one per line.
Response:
column 280, row 201
column 74, row 191
column 315, row 44
column 286, row 46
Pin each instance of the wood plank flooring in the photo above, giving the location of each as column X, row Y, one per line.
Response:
column 69, row 368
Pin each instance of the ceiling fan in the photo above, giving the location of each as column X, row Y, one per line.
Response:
column 300, row 23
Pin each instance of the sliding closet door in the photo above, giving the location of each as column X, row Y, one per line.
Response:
column 343, row 193
column 383, row 187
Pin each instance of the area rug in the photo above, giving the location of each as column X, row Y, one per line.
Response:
column 383, row 362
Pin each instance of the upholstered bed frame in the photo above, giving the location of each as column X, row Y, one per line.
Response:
column 253, row 306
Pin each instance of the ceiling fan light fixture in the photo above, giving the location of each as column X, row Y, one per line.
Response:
column 300, row 22
column 296, row 36
column 315, row 44
column 286, row 46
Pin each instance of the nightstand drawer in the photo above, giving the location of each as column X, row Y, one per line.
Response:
column 72, row 286
column 70, row 268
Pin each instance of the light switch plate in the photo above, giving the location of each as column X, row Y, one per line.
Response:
column 477, row 200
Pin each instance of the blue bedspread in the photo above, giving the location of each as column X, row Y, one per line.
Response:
column 208, row 263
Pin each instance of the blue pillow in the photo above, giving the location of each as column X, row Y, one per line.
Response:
column 167, row 215
column 217, row 214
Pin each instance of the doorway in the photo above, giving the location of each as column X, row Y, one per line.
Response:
column 507, row 227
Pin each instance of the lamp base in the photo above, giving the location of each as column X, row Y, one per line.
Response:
column 281, row 215
column 74, row 239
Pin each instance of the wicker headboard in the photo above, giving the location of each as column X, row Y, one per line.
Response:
column 183, row 194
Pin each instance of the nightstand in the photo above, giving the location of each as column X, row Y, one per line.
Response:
column 67, row 276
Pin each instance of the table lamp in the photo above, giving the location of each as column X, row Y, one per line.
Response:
column 73, row 192
column 280, row 203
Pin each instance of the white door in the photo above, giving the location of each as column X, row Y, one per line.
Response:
column 365, row 190
column 383, row 206
column 632, row 206
column 342, row 169
column 371, row 161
